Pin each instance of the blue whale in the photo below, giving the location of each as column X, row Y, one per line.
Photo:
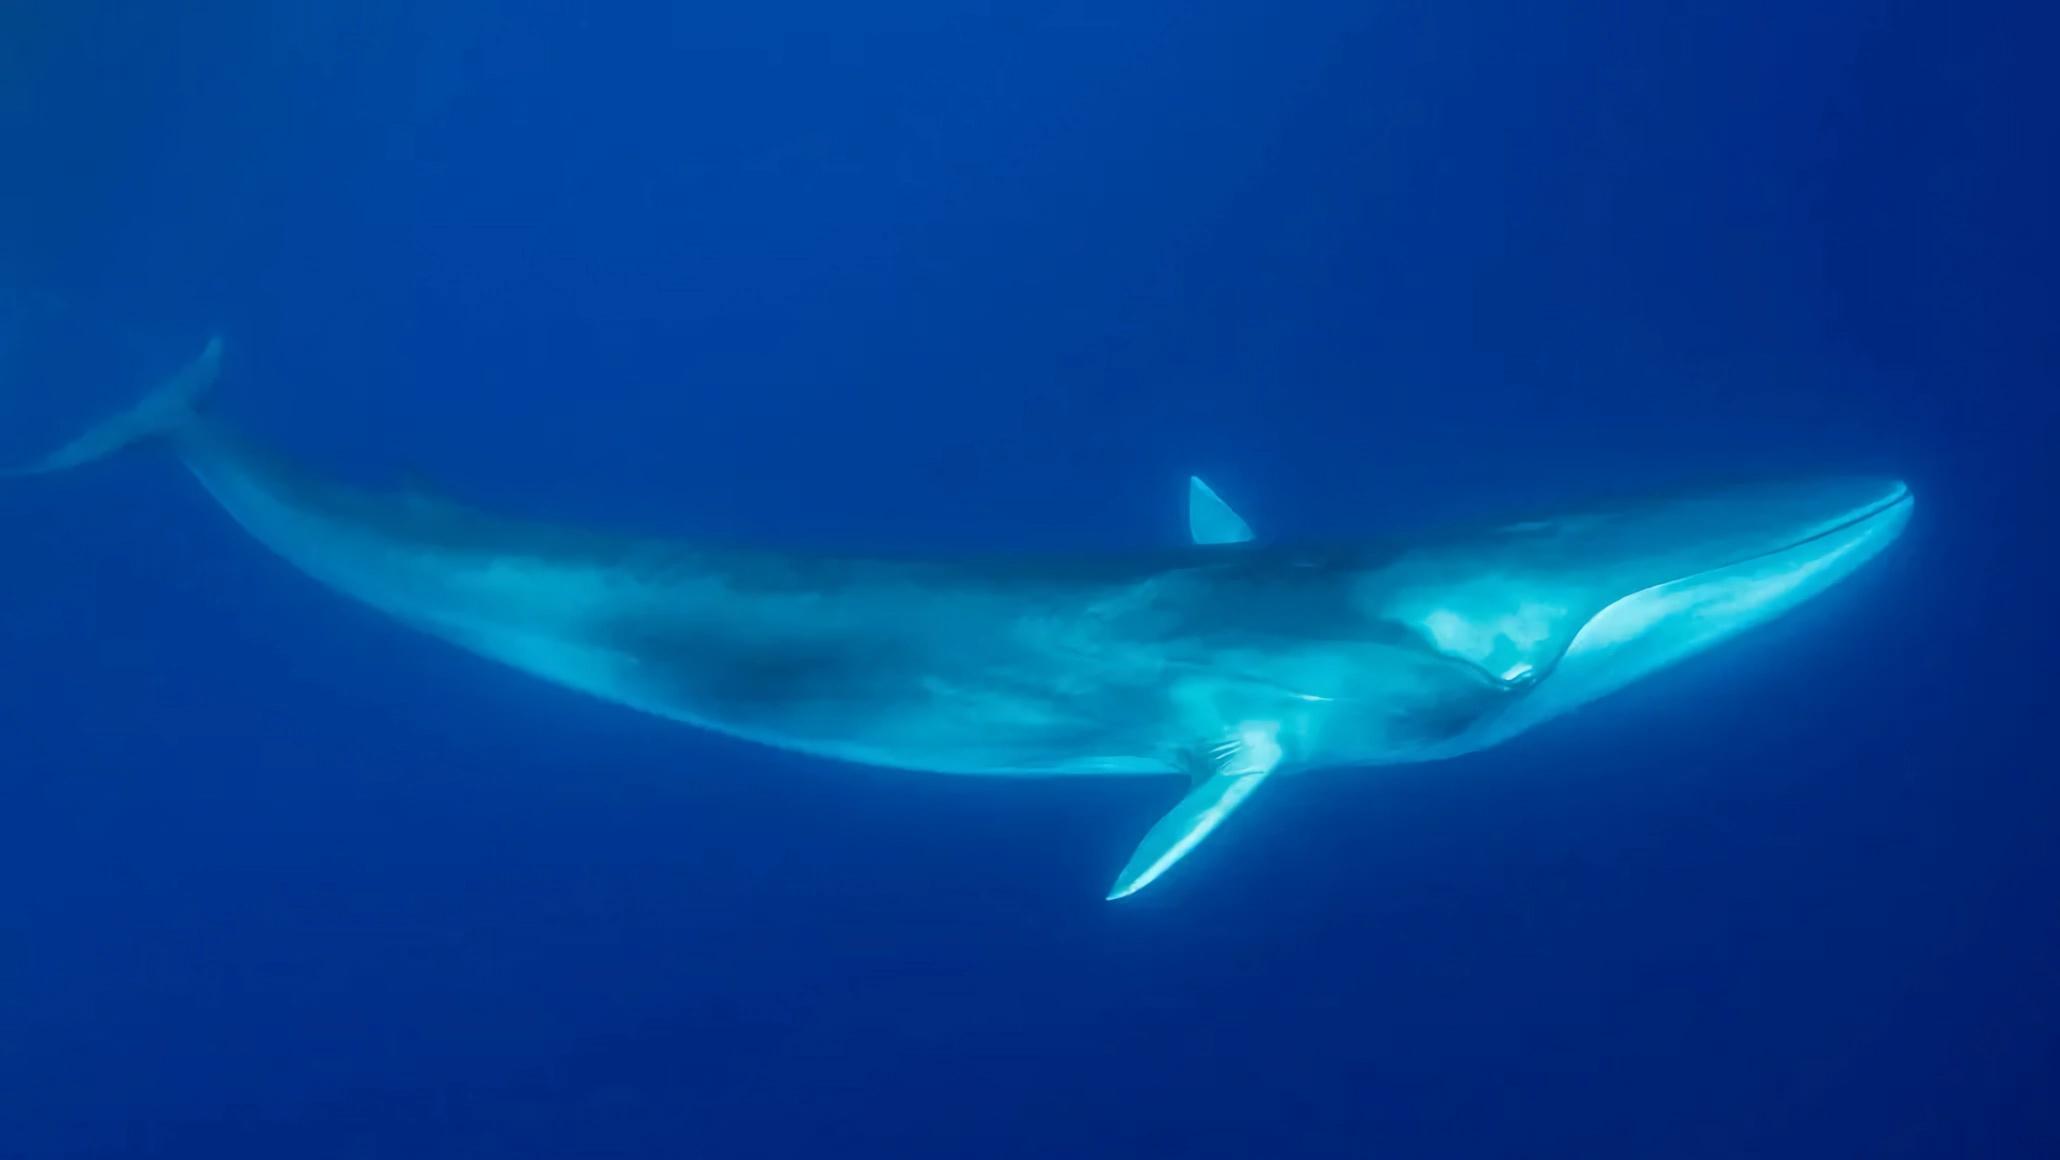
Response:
column 1226, row 662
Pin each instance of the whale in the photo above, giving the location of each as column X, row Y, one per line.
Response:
column 1227, row 660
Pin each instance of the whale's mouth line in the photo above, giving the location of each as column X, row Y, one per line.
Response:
column 1866, row 515
column 1900, row 498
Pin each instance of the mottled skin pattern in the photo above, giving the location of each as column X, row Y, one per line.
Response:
column 970, row 665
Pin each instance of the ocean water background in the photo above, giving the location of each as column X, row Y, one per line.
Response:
column 284, row 880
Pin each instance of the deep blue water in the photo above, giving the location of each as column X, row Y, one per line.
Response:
column 287, row 881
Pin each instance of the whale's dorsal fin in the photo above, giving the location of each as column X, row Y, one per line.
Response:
column 1209, row 519
column 1234, row 768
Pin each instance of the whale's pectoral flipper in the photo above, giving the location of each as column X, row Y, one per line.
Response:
column 1209, row 519
column 165, row 409
column 1238, row 766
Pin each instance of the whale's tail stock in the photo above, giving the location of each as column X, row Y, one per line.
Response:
column 166, row 409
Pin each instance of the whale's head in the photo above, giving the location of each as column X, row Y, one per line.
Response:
column 1562, row 610
column 1454, row 644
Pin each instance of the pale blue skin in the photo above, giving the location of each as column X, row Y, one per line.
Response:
column 1226, row 663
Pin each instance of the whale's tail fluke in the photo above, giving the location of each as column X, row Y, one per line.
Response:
column 161, row 412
